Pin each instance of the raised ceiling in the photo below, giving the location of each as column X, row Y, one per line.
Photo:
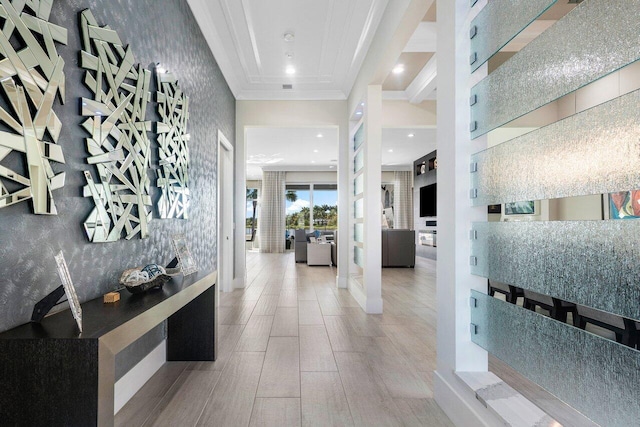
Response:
column 300, row 149
column 330, row 41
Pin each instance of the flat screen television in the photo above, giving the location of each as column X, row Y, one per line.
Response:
column 428, row 196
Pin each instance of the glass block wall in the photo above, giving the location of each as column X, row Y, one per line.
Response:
column 593, row 264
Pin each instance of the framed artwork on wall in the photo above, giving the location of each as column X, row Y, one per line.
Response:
column 624, row 205
column 520, row 208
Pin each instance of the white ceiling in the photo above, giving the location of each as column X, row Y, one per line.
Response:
column 331, row 40
column 293, row 149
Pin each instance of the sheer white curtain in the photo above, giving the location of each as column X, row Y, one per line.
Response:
column 272, row 212
column 403, row 200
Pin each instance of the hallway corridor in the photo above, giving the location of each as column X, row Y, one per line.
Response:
column 294, row 350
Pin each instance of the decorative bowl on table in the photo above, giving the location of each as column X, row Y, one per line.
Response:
column 141, row 279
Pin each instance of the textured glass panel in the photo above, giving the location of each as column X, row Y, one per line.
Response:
column 358, row 184
column 593, row 152
column 358, row 161
column 593, row 40
column 499, row 22
column 592, row 263
column 358, row 208
column 358, row 256
column 358, row 232
column 597, row 376
column 358, row 139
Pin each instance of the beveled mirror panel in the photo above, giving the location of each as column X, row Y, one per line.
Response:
column 173, row 139
column 31, row 76
column 594, row 39
column 118, row 144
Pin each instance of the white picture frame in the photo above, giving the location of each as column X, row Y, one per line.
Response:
column 69, row 289
column 187, row 263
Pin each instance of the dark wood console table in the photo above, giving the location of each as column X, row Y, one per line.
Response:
column 52, row 376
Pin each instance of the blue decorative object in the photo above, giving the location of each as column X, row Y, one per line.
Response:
column 153, row 270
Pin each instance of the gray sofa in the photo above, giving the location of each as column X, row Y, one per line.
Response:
column 398, row 248
column 301, row 240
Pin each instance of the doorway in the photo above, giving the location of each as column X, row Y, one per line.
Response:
column 225, row 214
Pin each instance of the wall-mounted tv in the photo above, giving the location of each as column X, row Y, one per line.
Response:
column 428, row 203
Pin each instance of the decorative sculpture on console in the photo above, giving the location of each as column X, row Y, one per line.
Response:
column 173, row 175
column 31, row 75
column 119, row 145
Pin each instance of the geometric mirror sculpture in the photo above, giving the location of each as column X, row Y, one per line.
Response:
column 185, row 260
column 118, row 144
column 31, row 75
column 173, row 174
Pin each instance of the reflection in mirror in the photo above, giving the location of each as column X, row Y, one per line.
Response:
column 173, row 139
column 118, row 144
column 32, row 126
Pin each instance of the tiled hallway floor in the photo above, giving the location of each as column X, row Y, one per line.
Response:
column 294, row 350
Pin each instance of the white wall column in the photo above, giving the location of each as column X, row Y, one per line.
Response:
column 344, row 190
column 240, row 197
column 456, row 352
column 372, row 207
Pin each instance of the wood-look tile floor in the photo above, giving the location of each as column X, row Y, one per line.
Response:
column 294, row 350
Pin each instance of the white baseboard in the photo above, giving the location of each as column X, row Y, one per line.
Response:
column 341, row 282
column 357, row 293
column 133, row 380
column 239, row 283
column 460, row 404
column 369, row 305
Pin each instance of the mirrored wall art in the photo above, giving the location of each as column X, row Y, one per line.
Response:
column 32, row 76
column 591, row 263
column 498, row 22
column 119, row 146
column 567, row 56
column 173, row 139
column 593, row 152
column 596, row 376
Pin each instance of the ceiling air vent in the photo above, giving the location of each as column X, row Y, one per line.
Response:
column 287, row 86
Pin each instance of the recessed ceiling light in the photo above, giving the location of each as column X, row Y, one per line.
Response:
column 358, row 112
column 362, row 104
column 313, row 161
column 411, row 135
column 288, row 37
column 315, row 151
column 290, row 70
column 319, row 135
column 331, row 167
column 398, row 69
column 390, row 150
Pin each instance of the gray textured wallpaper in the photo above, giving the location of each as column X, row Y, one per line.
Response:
column 162, row 31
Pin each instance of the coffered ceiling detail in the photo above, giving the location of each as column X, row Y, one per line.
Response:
column 328, row 42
